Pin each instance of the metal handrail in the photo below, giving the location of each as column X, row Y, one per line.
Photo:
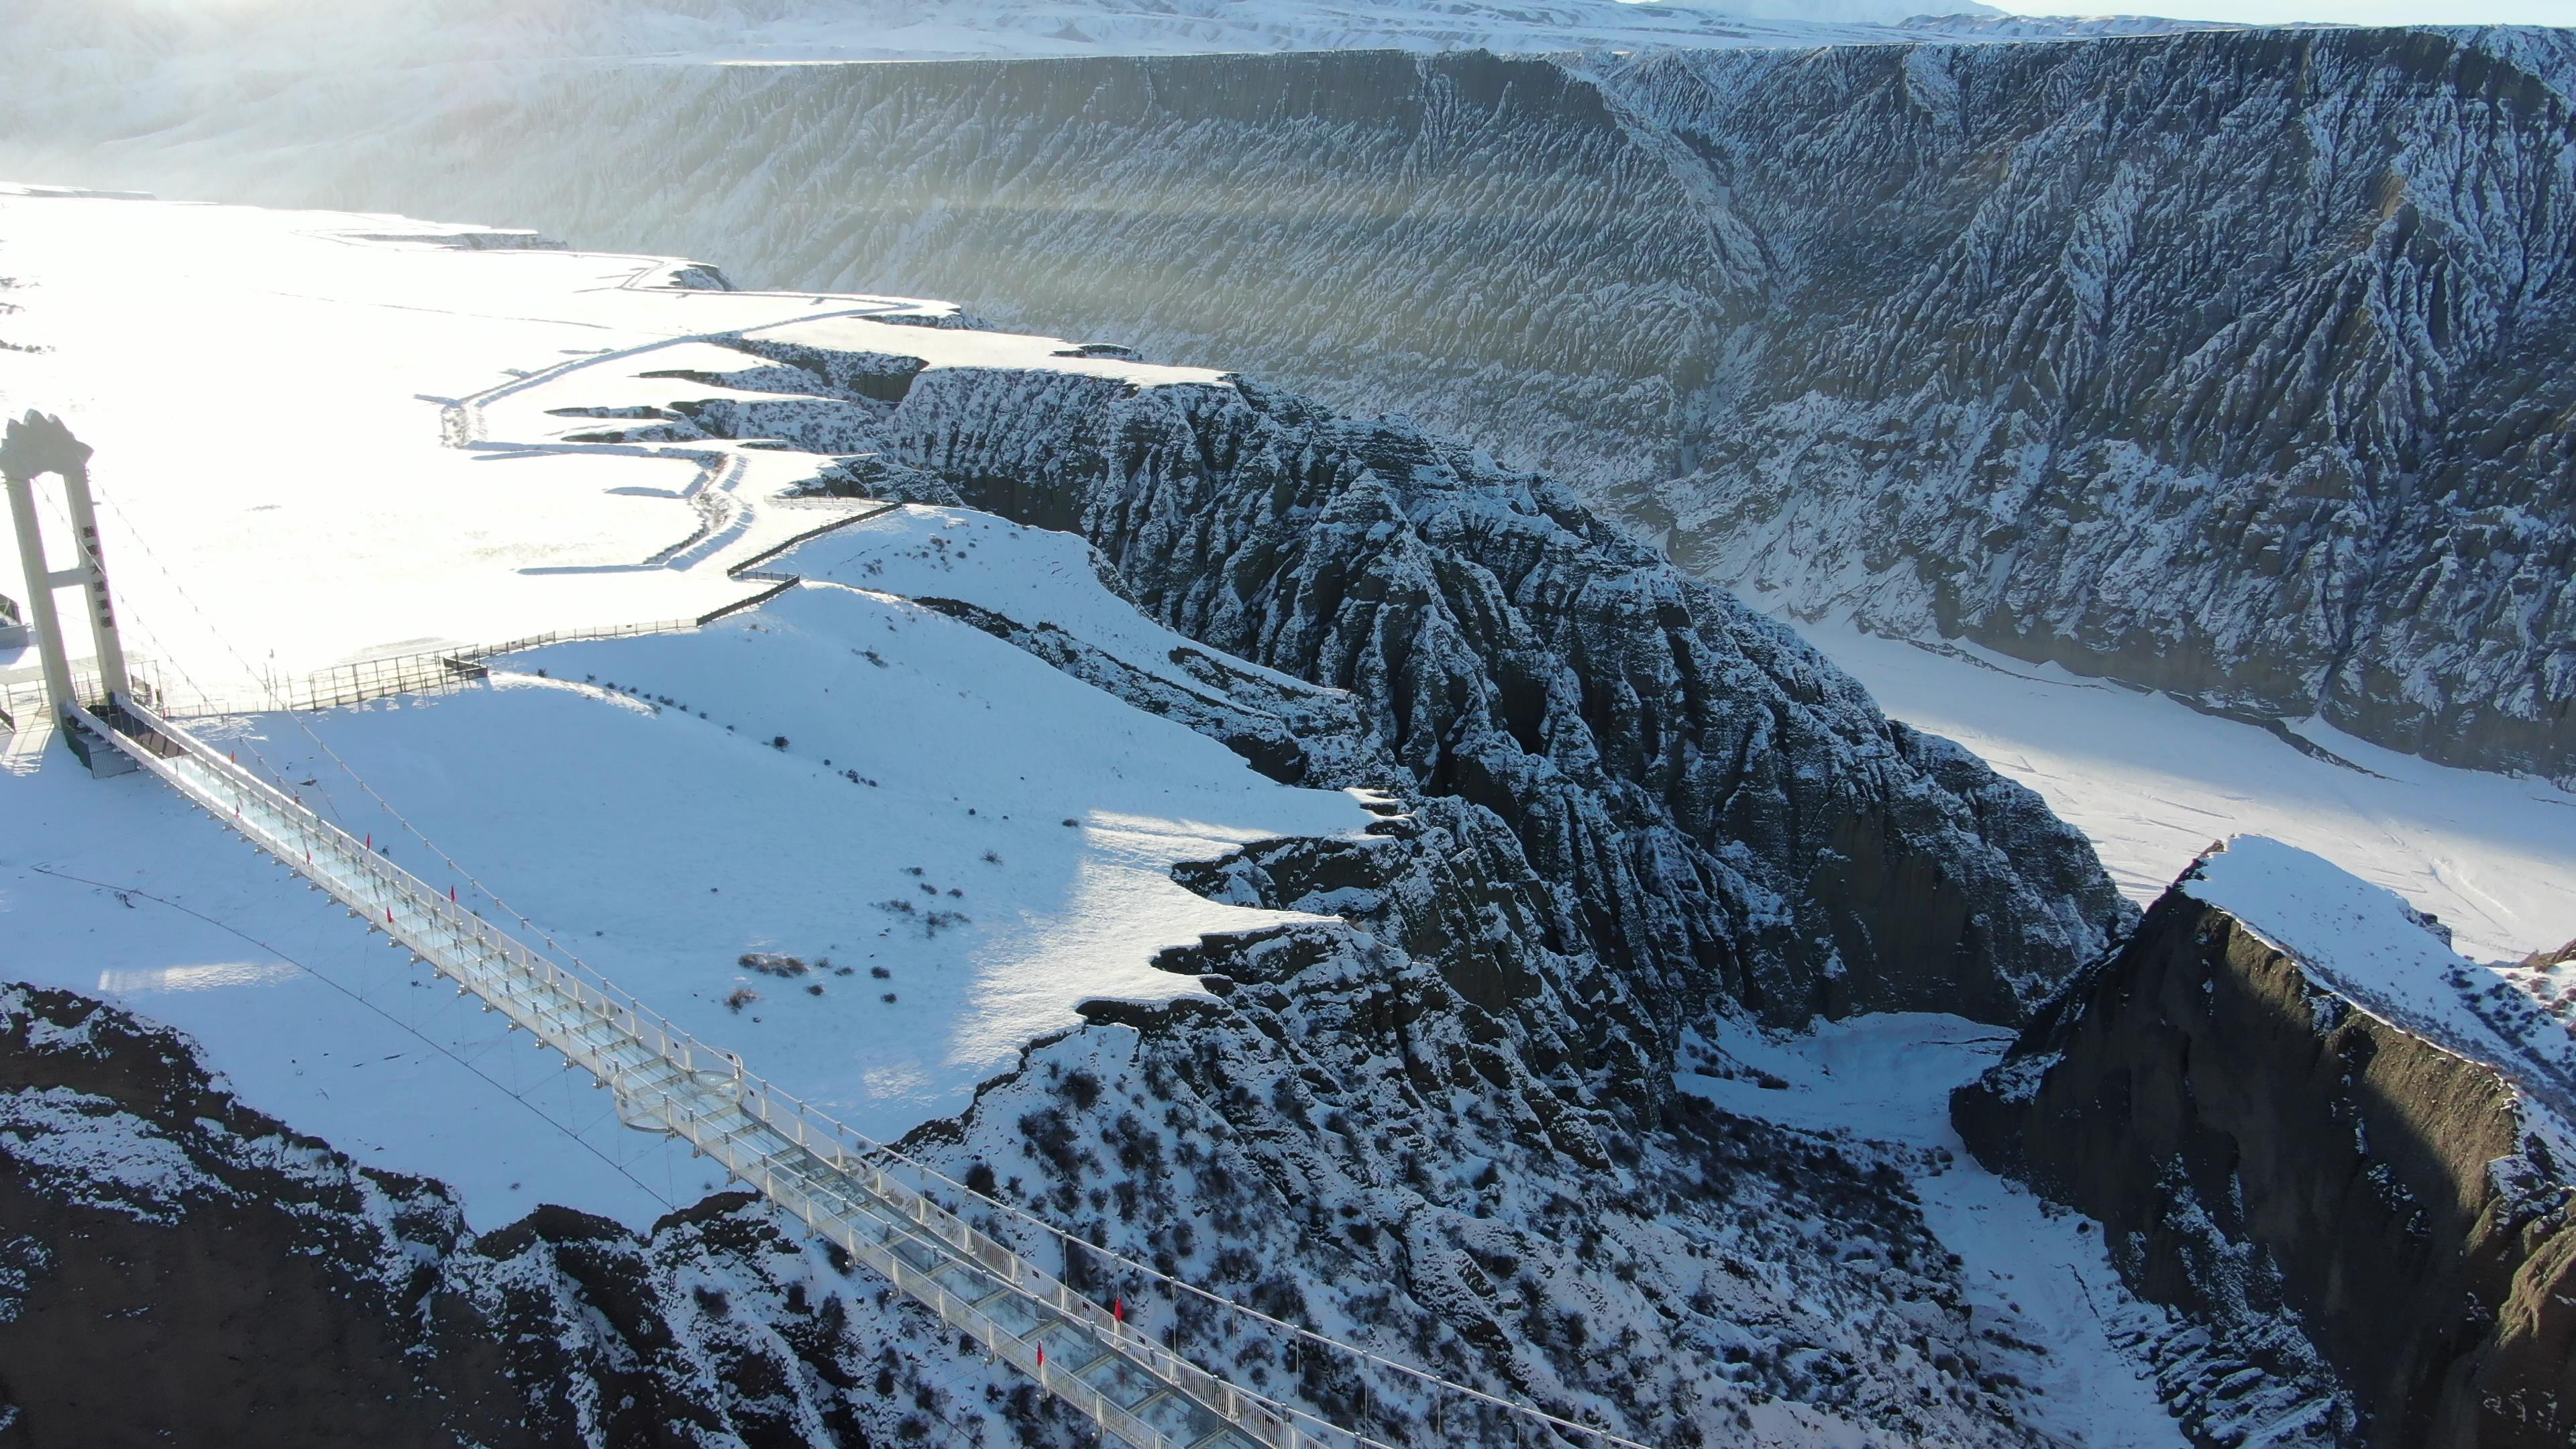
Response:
column 731, row 1111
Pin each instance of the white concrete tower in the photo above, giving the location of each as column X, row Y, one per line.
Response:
column 33, row 446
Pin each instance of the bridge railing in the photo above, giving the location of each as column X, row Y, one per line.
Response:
column 431, row 671
column 403, row 905
column 226, row 784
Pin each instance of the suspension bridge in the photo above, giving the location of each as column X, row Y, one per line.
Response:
column 870, row 1200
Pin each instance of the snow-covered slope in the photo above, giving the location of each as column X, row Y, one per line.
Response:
column 2364, row 944
column 664, row 843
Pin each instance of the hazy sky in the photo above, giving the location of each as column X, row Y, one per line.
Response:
column 2346, row 12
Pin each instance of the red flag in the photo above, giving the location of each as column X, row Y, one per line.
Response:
column 1118, row 1310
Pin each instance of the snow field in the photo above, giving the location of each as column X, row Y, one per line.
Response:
column 930, row 861
column 2154, row 782
column 2040, row 1285
column 305, row 1013
column 275, row 396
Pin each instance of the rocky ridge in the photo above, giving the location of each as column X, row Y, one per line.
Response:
column 1720, row 814
column 2371, row 1228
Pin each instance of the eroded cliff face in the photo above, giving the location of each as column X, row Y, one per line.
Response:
column 2372, row 1224
column 1719, row 814
column 2217, row 364
column 1442, row 1120
column 2229, row 363
column 177, row 1268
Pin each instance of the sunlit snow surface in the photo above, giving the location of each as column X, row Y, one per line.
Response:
column 2362, row 943
column 2154, row 783
column 912, row 809
column 271, row 395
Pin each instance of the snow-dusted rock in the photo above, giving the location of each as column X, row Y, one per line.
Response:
column 1718, row 813
column 2336, row 1146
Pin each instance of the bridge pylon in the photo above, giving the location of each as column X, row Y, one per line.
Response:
column 31, row 447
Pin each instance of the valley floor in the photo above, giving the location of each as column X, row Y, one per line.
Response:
column 2153, row 782
column 2039, row 1282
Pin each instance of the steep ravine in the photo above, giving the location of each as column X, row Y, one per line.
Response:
column 2357, row 1216
column 1412, row 1147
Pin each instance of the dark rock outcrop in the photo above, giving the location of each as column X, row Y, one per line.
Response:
column 2355, row 1217
column 181, row 1270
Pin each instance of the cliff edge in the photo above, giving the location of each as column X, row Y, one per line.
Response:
column 2326, row 1139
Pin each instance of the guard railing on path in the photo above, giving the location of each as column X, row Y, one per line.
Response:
column 837, row 1182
